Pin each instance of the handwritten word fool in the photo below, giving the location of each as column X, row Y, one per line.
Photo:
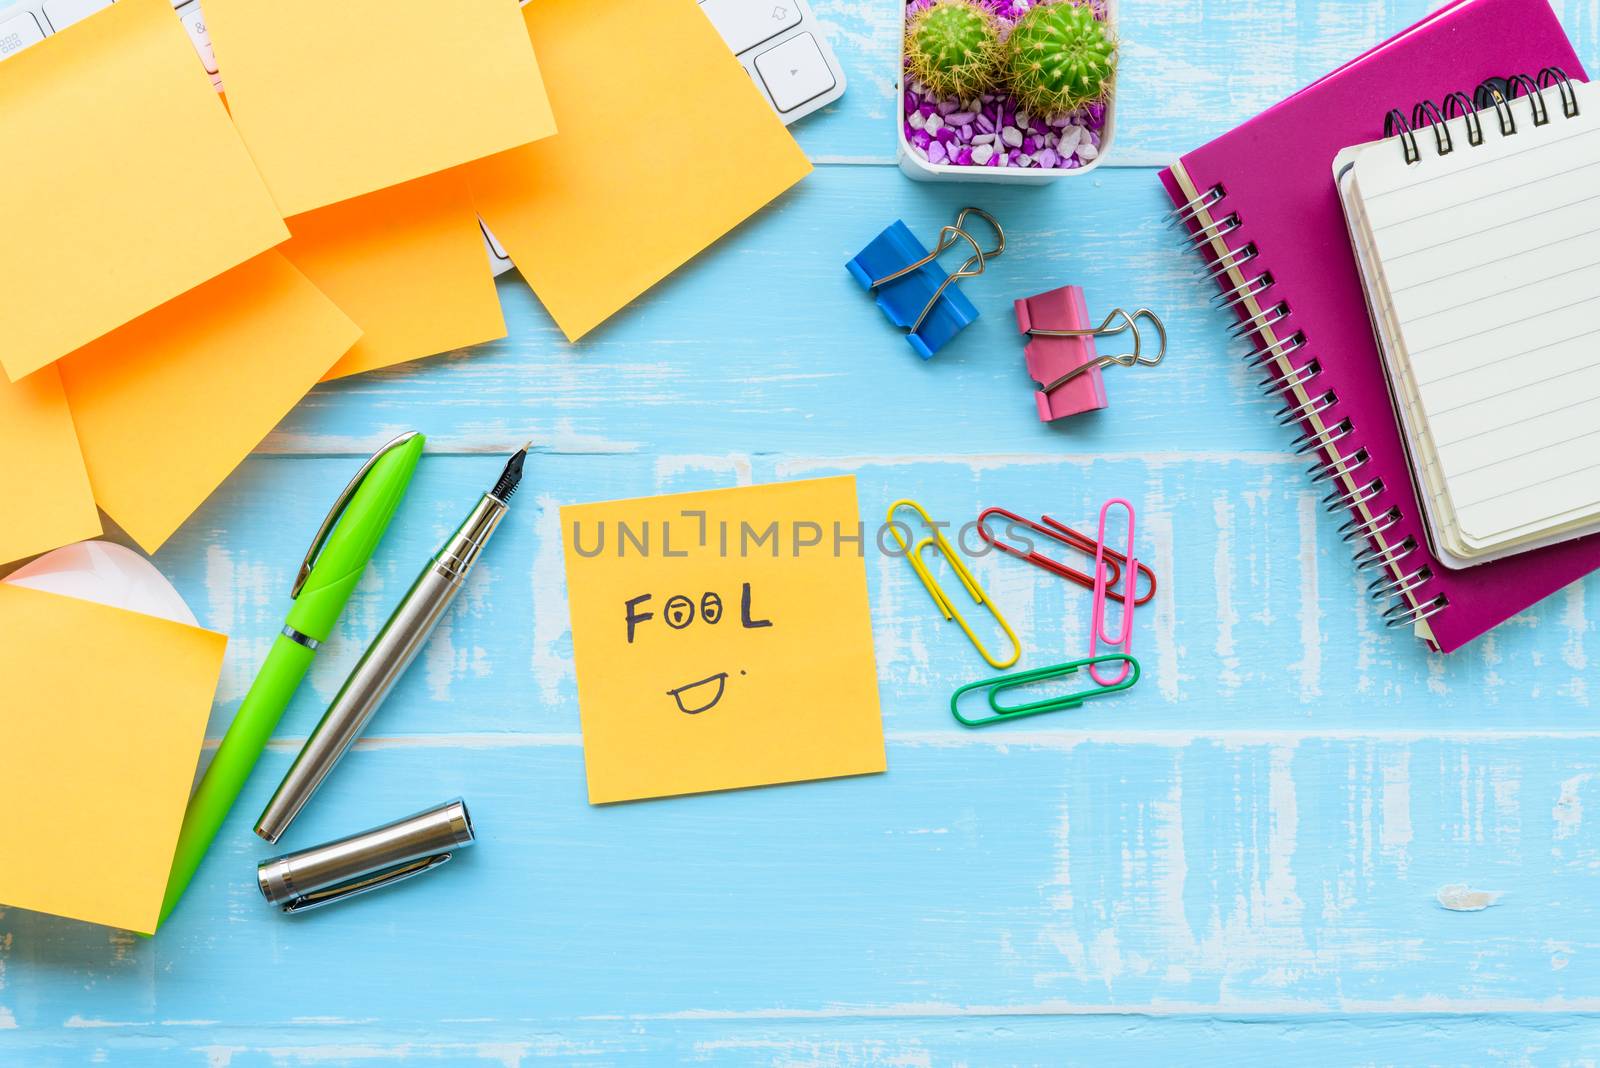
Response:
column 680, row 611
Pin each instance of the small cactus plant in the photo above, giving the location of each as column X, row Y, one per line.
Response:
column 1060, row 57
column 953, row 48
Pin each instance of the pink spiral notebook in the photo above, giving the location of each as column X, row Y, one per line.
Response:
column 1260, row 205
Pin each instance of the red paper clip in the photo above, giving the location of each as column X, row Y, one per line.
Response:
column 1061, row 533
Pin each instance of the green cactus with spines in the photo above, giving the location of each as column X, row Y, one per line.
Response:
column 1059, row 57
column 953, row 48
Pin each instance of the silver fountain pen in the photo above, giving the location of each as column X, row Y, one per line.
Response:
column 390, row 653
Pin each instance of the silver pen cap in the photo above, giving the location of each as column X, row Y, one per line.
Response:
column 366, row 861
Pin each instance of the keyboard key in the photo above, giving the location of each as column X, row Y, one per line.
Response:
column 63, row 13
column 194, row 21
column 795, row 71
column 747, row 23
column 17, row 33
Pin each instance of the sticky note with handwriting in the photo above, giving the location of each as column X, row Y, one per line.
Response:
column 722, row 639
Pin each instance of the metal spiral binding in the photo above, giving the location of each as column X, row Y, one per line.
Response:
column 1459, row 103
column 1316, row 440
column 1348, row 463
column 1260, row 320
column 1357, row 527
column 1384, row 586
column 1373, row 556
column 1220, row 267
column 1267, row 355
column 1231, row 298
column 1283, row 385
column 1492, row 93
column 1286, row 376
column 1339, row 500
column 1297, row 413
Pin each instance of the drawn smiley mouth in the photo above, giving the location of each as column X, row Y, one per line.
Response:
column 719, row 680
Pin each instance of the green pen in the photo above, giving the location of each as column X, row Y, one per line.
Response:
column 326, row 580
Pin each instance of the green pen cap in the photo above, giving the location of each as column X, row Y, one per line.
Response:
column 349, row 536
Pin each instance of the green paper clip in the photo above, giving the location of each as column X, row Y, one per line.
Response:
column 1001, row 683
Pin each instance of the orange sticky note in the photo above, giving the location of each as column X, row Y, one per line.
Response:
column 43, row 485
column 336, row 100
column 105, row 713
column 731, row 646
column 664, row 147
column 408, row 265
column 124, row 182
column 171, row 403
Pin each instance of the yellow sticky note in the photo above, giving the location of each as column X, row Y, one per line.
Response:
column 408, row 265
column 105, row 713
column 124, row 182
column 722, row 639
column 42, row 480
column 171, row 403
column 664, row 147
column 336, row 100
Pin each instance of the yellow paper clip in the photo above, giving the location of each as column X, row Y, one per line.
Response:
column 941, row 598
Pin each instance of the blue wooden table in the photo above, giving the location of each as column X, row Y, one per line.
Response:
column 1239, row 860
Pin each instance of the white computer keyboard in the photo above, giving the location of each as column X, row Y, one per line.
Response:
column 31, row 21
column 786, row 55
column 777, row 41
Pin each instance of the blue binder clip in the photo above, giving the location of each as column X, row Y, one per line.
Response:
column 913, row 291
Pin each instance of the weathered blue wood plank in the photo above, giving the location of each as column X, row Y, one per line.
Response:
column 1256, row 874
column 886, row 1041
column 696, row 365
column 1260, row 620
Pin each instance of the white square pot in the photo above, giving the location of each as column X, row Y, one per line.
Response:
column 923, row 171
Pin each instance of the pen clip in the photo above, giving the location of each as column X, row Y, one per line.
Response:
column 337, row 510
column 361, row 885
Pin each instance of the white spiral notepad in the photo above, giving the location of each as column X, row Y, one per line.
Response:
column 1478, row 239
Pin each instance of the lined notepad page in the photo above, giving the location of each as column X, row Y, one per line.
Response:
column 1483, row 269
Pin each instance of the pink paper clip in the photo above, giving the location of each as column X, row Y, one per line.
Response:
column 1123, row 642
column 1061, row 356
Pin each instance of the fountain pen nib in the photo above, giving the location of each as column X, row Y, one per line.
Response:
column 511, row 476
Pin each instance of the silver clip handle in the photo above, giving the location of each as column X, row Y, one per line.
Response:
column 339, row 505
column 948, row 236
column 1136, row 358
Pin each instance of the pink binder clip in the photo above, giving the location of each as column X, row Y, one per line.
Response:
column 1122, row 642
column 1061, row 353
